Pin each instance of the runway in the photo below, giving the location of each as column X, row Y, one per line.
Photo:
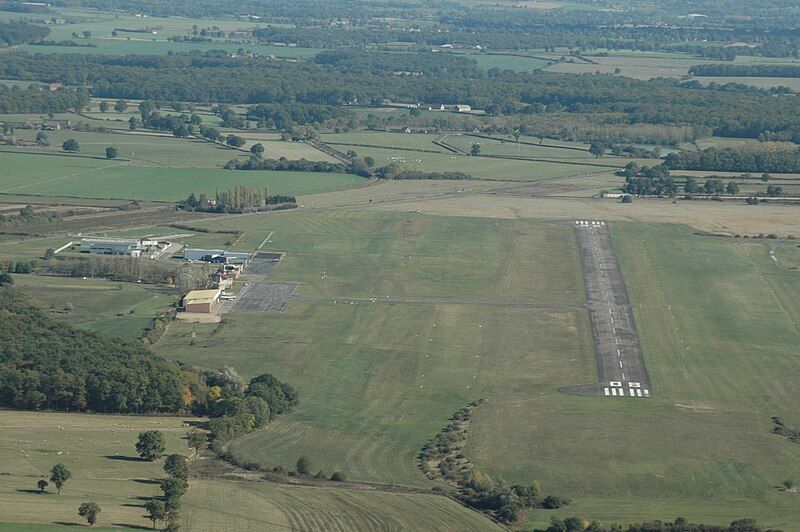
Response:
column 621, row 368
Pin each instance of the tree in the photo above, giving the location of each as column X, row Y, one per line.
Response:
column 41, row 139
column 475, row 149
column 133, row 123
column 257, row 149
column 111, row 152
column 103, row 106
column 87, row 34
column 6, row 279
column 732, row 188
column 89, row 511
column 339, row 476
column 597, row 149
column 121, row 106
column 690, row 186
column 788, row 484
column 71, row 145
column 156, row 511
column 197, row 440
column 370, row 161
column 173, row 489
column 49, row 254
column 59, row 476
column 235, row 141
column 627, row 199
column 774, row 190
column 151, row 445
column 42, row 485
column 765, row 177
column 175, row 466
column 303, row 466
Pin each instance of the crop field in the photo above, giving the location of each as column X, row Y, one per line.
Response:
column 94, row 178
column 99, row 452
column 121, row 310
column 263, row 506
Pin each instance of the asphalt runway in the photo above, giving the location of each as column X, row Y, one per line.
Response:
column 621, row 368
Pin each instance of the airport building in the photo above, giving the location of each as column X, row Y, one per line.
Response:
column 216, row 256
column 114, row 246
column 203, row 301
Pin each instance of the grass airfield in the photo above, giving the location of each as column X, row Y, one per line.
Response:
column 378, row 379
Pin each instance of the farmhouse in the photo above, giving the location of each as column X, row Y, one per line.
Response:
column 203, row 301
column 461, row 108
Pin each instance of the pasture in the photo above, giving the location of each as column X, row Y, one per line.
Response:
column 121, row 310
column 99, row 452
column 485, row 168
column 69, row 175
column 262, row 506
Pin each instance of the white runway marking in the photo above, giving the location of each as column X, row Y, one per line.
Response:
column 638, row 393
column 606, row 390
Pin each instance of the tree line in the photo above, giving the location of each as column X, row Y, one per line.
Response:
column 238, row 199
column 753, row 71
column 755, row 157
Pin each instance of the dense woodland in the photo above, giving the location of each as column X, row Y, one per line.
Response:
column 48, row 364
column 21, row 32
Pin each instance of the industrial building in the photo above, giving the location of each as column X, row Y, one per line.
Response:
column 203, row 301
column 216, row 256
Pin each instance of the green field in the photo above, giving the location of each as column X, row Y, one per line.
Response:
column 262, row 506
column 95, row 178
column 99, row 452
column 377, row 379
column 122, row 310
column 478, row 167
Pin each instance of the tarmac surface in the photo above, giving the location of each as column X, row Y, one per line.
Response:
column 621, row 368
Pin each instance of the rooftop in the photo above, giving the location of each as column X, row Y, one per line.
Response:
column 201, row 296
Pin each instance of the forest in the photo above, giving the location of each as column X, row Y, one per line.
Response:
column 244, row 80
column 48, row 364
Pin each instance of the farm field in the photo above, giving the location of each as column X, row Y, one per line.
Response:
column 99, row 452
column 478, row 167
column 760, row 82
column 517, row 63
column 263, row 506
column 121, row 310
column 140, row 149
column 94, row 178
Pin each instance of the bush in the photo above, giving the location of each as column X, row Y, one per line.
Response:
column 339, row 476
